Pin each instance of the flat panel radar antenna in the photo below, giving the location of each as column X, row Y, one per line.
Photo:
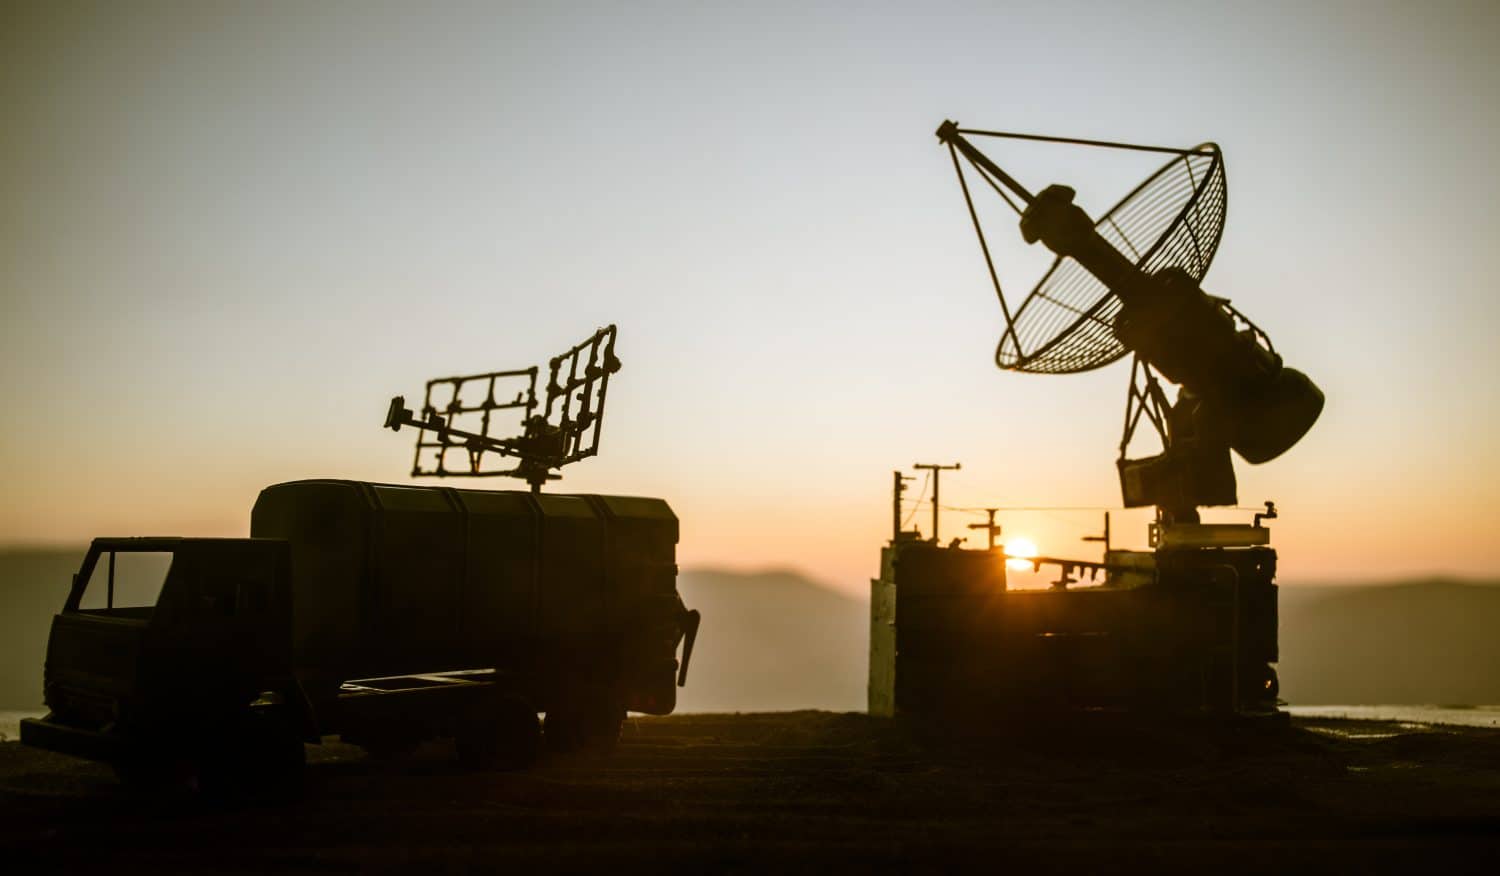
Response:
column 1129, row 283
column 462, row 417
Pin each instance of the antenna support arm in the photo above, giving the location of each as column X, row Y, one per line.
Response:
column 399, row 415
column 1056, row 221
column 948, row 133
column 1067, row 230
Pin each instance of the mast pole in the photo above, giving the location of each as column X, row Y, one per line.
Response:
column 936, row 470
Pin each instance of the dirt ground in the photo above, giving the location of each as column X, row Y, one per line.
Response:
column 811, row 790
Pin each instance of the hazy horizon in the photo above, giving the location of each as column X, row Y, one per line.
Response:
column 1023, row 580
column 776, row 640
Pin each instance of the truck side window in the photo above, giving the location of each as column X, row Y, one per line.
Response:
column 138, row 578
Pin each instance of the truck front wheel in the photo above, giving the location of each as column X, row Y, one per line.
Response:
column 504, row 735
column 591, row 726
column 259, row 756
column 252, row 755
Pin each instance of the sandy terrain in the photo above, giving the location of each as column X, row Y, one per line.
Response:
column 819, row 790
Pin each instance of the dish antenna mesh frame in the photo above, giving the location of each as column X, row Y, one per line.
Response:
column 1174, row 219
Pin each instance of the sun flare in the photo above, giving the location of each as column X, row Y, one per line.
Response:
column 1016, row 552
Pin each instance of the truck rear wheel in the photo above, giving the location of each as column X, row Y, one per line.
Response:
column 390, row 747
column 504, row 735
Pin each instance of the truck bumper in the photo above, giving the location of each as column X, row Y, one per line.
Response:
column 91, row 744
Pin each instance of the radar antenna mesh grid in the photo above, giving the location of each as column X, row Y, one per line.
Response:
column 1172, row 220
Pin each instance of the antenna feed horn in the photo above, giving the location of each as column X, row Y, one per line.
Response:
column 1055, row 220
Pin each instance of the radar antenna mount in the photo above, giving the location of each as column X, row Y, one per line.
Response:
column 462, row 418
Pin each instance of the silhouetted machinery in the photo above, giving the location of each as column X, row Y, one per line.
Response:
column 1189, row 625
column 387, row 614
column 463, row 415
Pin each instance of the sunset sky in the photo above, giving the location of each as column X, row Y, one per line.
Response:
column 231, row 232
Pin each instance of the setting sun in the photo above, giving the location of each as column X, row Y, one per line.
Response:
column 1017, row 553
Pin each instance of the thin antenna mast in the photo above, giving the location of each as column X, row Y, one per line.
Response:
column 936, row 471
column 1104, row 538
column 990, row 527
column 898, row 487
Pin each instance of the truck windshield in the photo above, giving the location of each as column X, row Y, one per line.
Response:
column 124, row 580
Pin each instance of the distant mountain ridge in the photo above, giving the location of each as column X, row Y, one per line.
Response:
column 33, row 584
column 1428, row 642
column 775, row 640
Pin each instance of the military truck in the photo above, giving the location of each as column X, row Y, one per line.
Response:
column 383, row 615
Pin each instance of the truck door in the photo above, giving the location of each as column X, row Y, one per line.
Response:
column 94, row 651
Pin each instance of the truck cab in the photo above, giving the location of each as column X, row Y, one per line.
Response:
column 166, row 646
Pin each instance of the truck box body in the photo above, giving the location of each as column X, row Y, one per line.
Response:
column 397, row 580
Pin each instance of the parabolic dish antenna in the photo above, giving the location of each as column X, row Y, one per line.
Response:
column 1174, row 219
